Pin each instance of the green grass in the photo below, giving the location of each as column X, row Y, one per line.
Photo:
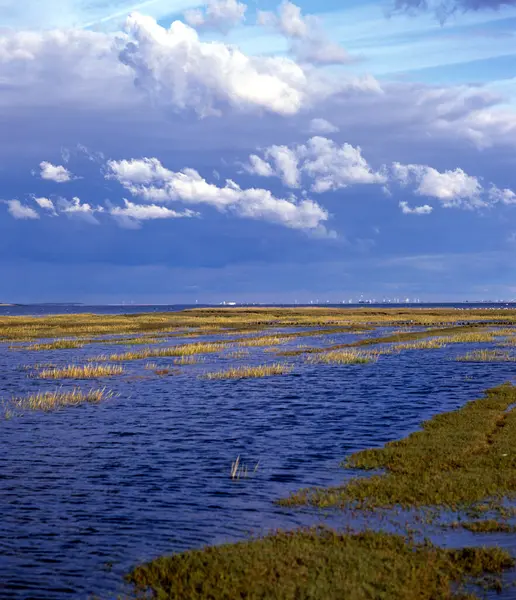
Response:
column 486, row 526
column 320, row 564
column 458, row 459
column 247, row 372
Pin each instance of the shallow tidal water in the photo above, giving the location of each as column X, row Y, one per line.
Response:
column 88, row 492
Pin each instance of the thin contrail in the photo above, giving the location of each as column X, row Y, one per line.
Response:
column 120, row 13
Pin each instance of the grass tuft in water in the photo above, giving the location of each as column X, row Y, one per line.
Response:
column 487, row 356
column 344, row 357
column 53, row 400
column 56, row 345
column 250, row 372
column 81, row 372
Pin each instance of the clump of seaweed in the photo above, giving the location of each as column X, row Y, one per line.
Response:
column 247, row 372
column 81, row 372
column 53, row 400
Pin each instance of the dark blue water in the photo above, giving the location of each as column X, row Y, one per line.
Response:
column 86, row 493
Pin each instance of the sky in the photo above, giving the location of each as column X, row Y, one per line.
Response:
column 173, row 152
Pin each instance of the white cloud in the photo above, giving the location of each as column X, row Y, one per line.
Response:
column 328, row 165
column 19, row 211
column 309, row 43
column 416, row 210
column 76, row 209
column 504, row 196
column 258, row 166
column 285, row 164
column 219, row 14
column 56, row 173
column 455, row 189
column 189, row 187
column 44, row 203
column 145, row 212
column 174, row 65
column 322, row 126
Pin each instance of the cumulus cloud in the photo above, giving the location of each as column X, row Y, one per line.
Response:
column 309, row 42
column 175, row 65
column 56, row 173
column 19, row 211
column 219, row 14
column 329, row 166
column 445, row 8
column 453, row 188
column 425, row 209
column 148, row 179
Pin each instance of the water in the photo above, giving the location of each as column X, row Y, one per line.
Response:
column 86, row 493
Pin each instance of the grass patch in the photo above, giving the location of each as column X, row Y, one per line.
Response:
column 53, row 400
column 248, row 372
column 183, row 350
column 81, row 372
column 320, row 564
column 457, row 460
column 56, row 345
column 344, row 357
column 486, row 526
column 430, row 344
column 487, row 356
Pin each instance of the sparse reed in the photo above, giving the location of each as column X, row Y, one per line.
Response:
column 81, row 372
column 53, row 400
column 186, row 360
column 250, row 372
column 240, row 470
column 269, row 340
column 487, row 356
column 237, row 354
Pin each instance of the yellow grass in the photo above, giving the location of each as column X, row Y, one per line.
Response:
column 81, row 372
column 250, row 372
column 183, row 350
column 240, row 320
column 420, row 344
column 344, row 357
column 268, row 340
column 487, row 356
column 59, row 398
column 55, row 345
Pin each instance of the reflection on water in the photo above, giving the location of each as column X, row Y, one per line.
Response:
column 88, row 492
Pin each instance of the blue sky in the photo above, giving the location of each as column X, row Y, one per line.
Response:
column 168, row 152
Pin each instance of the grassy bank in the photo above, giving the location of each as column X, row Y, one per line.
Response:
column 457, row 460
column 321, row 565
